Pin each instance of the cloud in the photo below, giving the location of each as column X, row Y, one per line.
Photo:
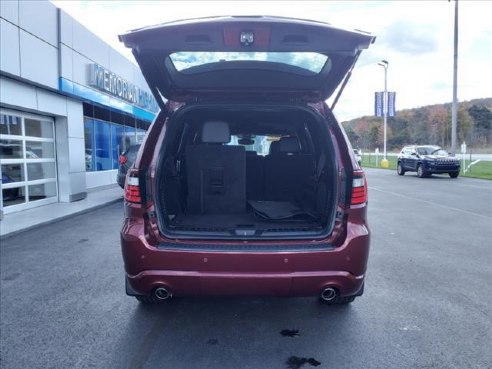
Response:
column 415, row 37
column 409, row 37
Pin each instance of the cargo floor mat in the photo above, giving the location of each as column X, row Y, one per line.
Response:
column 277, row 210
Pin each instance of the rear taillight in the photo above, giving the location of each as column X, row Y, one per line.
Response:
column 132, row 188
column 122, row 159
column 359, row 188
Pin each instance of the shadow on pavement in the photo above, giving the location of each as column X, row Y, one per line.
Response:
column 233, row 333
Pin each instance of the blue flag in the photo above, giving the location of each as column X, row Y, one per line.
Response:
column 391, row 104
column 378, row 104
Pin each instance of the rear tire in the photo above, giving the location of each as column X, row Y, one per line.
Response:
column 147, row 300
column 345, row 300
column 454, row 174
column 420, row 171
column 400, row 169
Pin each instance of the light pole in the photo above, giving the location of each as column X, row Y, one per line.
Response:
column 384, row 63
column 454, row 108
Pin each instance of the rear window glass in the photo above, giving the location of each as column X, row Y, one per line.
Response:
column 310, row 61
column 258, row 144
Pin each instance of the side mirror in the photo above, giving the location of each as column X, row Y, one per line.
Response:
column 414, row 154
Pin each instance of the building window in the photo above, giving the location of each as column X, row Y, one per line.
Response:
column 117, row 143
column 102, row 150
column 27, row 160
column 106, row 140
column 89, row 144
column 130, row 136
column 10, row 125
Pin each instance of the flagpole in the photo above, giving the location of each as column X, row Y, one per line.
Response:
column 454, row 109
column 385, row 108
column 385, row 64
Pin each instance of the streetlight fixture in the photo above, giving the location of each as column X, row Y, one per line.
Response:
column 384, row 63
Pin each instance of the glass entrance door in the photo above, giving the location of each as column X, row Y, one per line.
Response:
column 27, row 161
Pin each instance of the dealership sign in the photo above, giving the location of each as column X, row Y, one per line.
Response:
column 107, row 81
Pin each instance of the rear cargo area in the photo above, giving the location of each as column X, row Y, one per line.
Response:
column 229, row 171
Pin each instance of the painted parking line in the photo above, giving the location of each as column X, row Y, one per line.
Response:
column 431, row 203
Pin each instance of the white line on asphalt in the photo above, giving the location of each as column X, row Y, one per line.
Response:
column 431, row 203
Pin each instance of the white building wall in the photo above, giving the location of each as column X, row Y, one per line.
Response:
column 29, row 41
column 39, row 18
column 38, row 60
column 40, row 45
column 31, row 45
column 80, row 47
column 9, row 57
column 9, row 10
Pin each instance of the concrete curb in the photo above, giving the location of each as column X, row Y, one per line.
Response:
column 62, row 217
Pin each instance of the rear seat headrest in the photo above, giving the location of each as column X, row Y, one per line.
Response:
column 289, row 145
column 273, row 148
column 216, row 132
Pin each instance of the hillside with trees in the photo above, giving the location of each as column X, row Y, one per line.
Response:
column 426, row 125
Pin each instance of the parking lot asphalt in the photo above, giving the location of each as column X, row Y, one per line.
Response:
column 427, row 302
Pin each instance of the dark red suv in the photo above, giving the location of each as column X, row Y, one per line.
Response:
column 245, row 183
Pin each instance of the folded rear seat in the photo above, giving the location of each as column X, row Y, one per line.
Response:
column 255, row 177
column 290, row 174
column 216, row 173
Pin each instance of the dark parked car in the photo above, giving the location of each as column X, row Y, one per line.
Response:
column 125, row 161
column 427, row 160
column 208, row 209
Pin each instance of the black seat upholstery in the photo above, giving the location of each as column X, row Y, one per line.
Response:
column 216, row 173
column 255, row 177
column 290, row 174
column 273, row 148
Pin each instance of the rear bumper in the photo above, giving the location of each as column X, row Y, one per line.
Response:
column 244, row 284
column 269, row 273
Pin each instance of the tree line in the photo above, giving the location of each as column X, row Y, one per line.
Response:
column 425, row 125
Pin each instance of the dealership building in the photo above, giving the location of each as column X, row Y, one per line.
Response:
column 69, row 105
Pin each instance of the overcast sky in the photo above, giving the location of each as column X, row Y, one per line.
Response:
column 416, row 37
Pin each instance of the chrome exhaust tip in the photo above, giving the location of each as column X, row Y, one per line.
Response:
column 329, row 294
column 162, row 293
